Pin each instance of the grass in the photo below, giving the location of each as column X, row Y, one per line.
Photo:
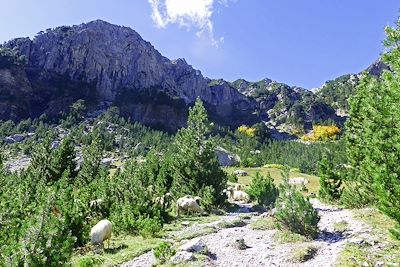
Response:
column 122, row 249
column 231, row 224
column 304, row 254
column 284, row 237
column 126, row 247
column 386, row 250
column 268, row 223
column 341, row 226
column 312, row 186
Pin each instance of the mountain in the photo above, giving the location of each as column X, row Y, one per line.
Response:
column 288, row 108
column 106, row 64
column 337, row 92
column 109, row 65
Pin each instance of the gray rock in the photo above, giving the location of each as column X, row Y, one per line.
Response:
column 19, row 137
column 185, row 223
column 107, row 161
column 226, row 158
column 55, row 144
column 9, row 140
column 240, row 244
column 298, row 181
column 182, row 256
column 240, row 173
column 196, row 246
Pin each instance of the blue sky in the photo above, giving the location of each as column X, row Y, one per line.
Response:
column 301, row 43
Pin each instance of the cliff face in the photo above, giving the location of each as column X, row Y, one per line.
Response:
column 122, row 69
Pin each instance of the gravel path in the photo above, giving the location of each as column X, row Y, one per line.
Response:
column 263, row 250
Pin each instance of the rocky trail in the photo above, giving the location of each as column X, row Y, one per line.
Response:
column 225, row 247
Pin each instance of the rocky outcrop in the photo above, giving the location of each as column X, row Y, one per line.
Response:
column 126, row 70
column 284, row 107
column 226, row 158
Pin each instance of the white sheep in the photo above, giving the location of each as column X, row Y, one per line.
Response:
column 188, row 204
column 101, row 232
column 163, row 201
column 237, row 195
column 228, row 192
column 95, row 203
column 238, row 187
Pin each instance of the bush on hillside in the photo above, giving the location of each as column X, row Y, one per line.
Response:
column 263, row 190
column 294, row 211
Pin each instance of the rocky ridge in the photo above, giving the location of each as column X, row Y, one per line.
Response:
column 113, row 64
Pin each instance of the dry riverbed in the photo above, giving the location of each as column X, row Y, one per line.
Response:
column 245, row 238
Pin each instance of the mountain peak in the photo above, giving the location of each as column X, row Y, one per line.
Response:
column 125, row 70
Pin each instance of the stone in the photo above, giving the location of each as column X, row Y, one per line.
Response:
column 196, row 246
column 298, row 181
column 240, row 244
column 185, row 223
column 55, row 144
column 240, row 173
column 19, row 137
column 107, row 161
column 226, row 158
column 9, row 140
column 182, row 257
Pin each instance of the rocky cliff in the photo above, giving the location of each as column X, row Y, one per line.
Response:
column 107, row 64
column 110, row 64
column 288, row 108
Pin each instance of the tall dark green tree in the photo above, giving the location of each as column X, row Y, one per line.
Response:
column 373, row 137
column 196, row 165
column 330, row 179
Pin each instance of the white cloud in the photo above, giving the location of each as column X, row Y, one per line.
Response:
column 187, row 13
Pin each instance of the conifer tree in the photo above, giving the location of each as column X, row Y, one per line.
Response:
column 373, row 137
column 330, row 180
column 196, row 165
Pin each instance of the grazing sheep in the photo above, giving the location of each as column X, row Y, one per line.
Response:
column 188, row 204
column 101, row 232
column 95, row 203
column 163, row 201
column 237, row 195
column 238, row 187
column 228, row 192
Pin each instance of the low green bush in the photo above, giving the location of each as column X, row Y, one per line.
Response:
column 263, row 190
column 163, row 252
column 294, row 212
column 274, row 166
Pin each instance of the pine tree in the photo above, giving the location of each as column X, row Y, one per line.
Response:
column 263, row 189
column 91, row 166
column 385, row 141
column 196, row 165
column 294, row 211
column 330, row 180
column 373, row 137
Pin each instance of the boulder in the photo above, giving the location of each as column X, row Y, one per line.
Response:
column 226, row 158
column 182, row 256
column 107, row 161
column 196, row 246
column 9, row 140
column 240, row 173
column 298, row 181
column 55, row 144
column 19, row 137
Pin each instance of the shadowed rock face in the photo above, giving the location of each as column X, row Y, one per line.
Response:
column 123, row 69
